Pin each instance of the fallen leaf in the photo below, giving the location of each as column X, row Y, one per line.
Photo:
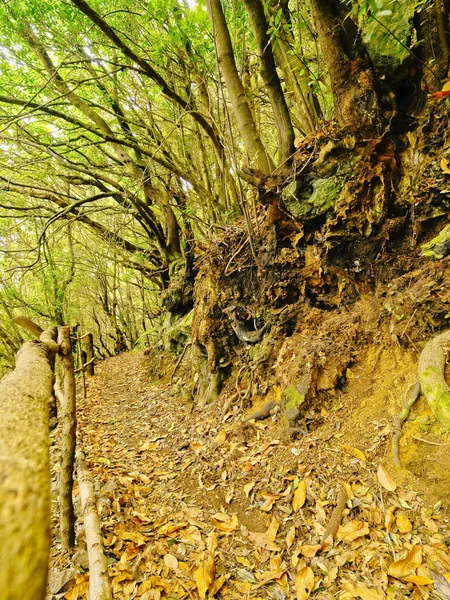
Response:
column 299, row 496
column 385, row 479
column 290, row 537
column 445, row 168
column 271, row 533
column 248, row 488
column 309, row 551
column 406, row 566
column 224, row 522
column 403, row 523
column 304, row 583
column 418, row 579
column 354, row 452
column 352, row 530
column 363, row 592
column 204, row 574
column 389, row 518
column 171, row 561
column 221, row 437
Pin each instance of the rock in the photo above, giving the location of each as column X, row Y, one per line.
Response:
column 306, row 207
column 439, row 246
column 58, row 578
column 80, row 559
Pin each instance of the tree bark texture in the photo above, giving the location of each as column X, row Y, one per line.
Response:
column 356, row 102
column 25, row 475
column 239, row 102
column 89, row 345
column 255, row 11
column 68, row 441
column 99, row 582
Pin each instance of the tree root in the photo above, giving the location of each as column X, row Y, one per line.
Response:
column 411, row 396
column 431, row 377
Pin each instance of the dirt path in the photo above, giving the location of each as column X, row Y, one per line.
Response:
column 192, row 509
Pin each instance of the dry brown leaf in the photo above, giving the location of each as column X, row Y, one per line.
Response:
column 204, row 574
column 355, row 452
column 224, row 522
column 304, row 583
column 406, row 566
column 299, row 496
column 385, row 479
column 352, row 530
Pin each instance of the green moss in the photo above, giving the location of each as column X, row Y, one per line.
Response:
column 387, row 36
column 307, row 206
column 439, row 246
column 292, row 398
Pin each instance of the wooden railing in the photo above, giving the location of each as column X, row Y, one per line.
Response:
column 25, row 506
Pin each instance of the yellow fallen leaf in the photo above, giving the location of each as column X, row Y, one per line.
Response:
column 406, row 566
column 418, row 579
column 403, row 523
column 363, row 592
column 243, row 561
column 204, row 574
column 299, row 496
column 446, row 87
column 354, row 452
column 224, row 522
column 271, row 533
column 352, row 530
column 171, row 528
column 260, row 540
column 290, row 537
column 309, row 551
column 304, row 583
column 248, row 488
column 445, row 166
column 385, row 479
column 389, row 518
column 221, row 437
column 349, row 491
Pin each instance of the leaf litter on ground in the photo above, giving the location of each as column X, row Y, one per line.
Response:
column 190, row 511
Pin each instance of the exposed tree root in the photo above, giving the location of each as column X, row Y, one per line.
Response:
column 412, row 395
column 431, row 377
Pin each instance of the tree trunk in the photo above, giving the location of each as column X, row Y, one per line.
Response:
column 239, row 101
column 270, row 77
column 89, row 345
column 25, row 475
column 69, row 430
column 355, row 100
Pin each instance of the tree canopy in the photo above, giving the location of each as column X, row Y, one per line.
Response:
column 132, row 132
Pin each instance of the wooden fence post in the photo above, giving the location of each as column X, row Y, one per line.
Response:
column 24, row 471
column 68, row 437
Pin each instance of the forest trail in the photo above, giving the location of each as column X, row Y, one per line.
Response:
column 192, row 508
